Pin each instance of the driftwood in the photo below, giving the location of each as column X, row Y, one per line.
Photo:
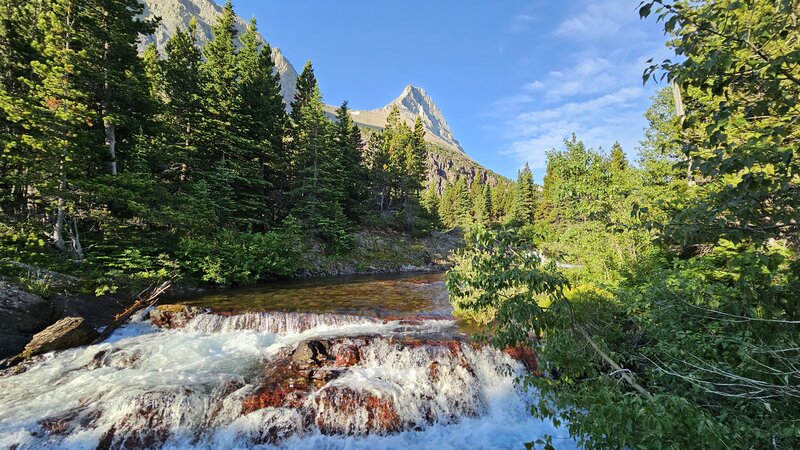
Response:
column 142, row 302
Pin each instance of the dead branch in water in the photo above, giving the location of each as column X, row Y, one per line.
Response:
column 141, row 303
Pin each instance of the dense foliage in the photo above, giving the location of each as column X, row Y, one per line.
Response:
column 673, row 319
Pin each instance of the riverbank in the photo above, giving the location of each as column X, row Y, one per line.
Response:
column 376, row 251
column 33, row 298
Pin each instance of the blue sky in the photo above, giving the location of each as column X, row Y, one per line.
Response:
column 512, row 78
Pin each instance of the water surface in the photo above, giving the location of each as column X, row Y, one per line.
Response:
column 385, row 296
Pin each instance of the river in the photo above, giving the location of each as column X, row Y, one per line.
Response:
column 352, row 363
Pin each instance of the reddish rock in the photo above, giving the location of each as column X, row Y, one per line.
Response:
column 173, row 316
column 144, row 429
column 347, row 356
column 284, row 386
column 526, row 356
column 347, row 411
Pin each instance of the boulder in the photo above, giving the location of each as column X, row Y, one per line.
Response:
column 67, row 333
column 21, row 315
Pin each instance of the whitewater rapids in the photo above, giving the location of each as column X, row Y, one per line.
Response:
column 185, row 388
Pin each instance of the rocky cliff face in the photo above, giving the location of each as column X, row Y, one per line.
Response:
column 176, row 14
column 446, row 167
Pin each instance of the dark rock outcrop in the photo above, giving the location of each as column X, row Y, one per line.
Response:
column 21, row 315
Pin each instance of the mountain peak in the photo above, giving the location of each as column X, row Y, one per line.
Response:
column 414, row 102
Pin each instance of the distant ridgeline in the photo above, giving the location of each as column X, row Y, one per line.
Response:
column 447, row 160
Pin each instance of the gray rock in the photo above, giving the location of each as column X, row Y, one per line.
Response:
column 21, row 315
column 67, row 333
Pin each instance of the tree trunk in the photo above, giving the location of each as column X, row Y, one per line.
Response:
column 677, row 100
column 75, row 237
column 108, row 125
column 111, row 141
column 58, row 229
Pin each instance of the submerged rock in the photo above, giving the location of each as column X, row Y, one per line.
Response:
column 173, row 316
column 356, row 412
column 67, row 333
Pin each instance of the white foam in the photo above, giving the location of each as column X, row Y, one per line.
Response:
column 195, row 381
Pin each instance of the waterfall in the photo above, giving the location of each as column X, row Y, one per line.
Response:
column 266, row 380
column 272, row 322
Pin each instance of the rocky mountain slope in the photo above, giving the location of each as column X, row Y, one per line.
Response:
column 413, row 102
column 176, row 14
column 447, row 159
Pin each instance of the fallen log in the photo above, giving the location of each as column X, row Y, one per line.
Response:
column 142, row 302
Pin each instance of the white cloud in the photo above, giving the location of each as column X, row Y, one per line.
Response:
column 590, row 85
column 522, row 22
column 599, row 19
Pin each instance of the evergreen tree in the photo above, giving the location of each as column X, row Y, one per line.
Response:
column 262, row 119
column 618, row 160
column 417, row 154
column 317, row 189
column 306, row 82
column 462, row 202
column 482, row 205
column 524, row 196
column 354, row 175
column 221, row 68
column 182, row 91
column 59, row 117
column 116, row 72
column 19, row 37
column 377, row 159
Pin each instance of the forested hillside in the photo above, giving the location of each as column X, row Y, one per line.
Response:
column 671, row 320
column 125, row 167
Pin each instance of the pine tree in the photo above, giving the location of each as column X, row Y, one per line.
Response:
column 524, row 196
column 462, row 202
column 18, row 38
column 618, row 160
column 317, row 194
column 221, row 67
column 183, row 83
column 111, row 33
column 446, row 209
column 306, row 82
column 377, row 161
column 263, row 119
column 354, row 175
column 482, row 205
column 430, row 204
column 153, row 74
column 59, row 116
column 416, row 158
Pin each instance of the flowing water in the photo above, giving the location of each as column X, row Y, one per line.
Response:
column 369, row 362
